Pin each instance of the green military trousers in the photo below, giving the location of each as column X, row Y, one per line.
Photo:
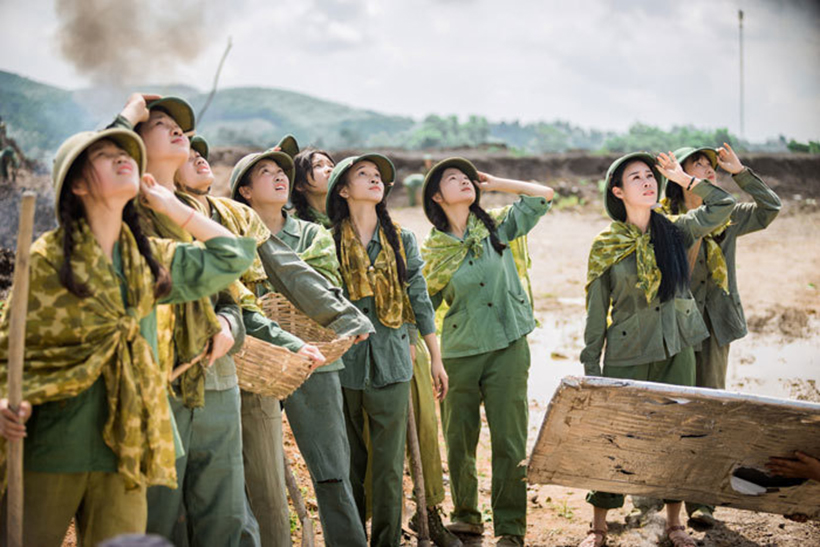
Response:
column 385, row 410
column 677, row 370
column 424, row 406
column 499, row 380
column 263, row 454
column 103, row 506
column 210, row 476
column 316, row 416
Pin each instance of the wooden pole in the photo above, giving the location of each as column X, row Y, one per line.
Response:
column 17, row 340
column 308, row 538
column 418, row 475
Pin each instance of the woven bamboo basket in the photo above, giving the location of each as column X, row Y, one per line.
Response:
column 265, row 369
column 279, row 309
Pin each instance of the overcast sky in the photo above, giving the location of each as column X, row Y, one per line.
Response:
column 595, row 63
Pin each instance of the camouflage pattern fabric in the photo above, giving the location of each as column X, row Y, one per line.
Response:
column 321, row 218
column 243, row 221
column 443, row 255
column 71, row 341
column 379, row 279
column 194, row 323
column 715, row 261
column 616, row 243
column 321, row 256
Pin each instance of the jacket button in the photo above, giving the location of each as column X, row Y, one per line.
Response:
column 702, row 282
column 657, row 308
column 455, row 326
column 489, row 304
column 624, row 333
column 481, row 284
column 365, row 310
column 471, row 263
column 403, row 336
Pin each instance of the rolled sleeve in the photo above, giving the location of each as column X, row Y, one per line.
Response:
column 523, row 216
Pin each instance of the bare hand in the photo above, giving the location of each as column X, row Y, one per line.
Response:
column 487, row 182
column 441, row 382
column 156, row 196
column 413, row 352
column 12, row 426
column 136, row 107
column 728, row 160
column 312, row 353
column 670, row 168
column 361, row 337
column 805, row 467
column 221, row 342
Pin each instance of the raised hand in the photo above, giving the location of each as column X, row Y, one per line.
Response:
column 156, row 196
column 728, row 160
column 136, row 107
column 670, row 168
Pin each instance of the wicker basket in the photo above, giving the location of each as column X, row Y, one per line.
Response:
column 279, row 309
column 265, row 369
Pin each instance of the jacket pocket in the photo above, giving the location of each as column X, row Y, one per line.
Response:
column 455, row 333
column 691, row 327
column 623, row 340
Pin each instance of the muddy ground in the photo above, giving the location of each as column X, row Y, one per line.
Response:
column 779, row 280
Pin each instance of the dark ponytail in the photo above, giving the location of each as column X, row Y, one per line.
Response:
column 670, row 254
column 303, row 164
column 341, row 211
column 439, row 218
column 71, row 211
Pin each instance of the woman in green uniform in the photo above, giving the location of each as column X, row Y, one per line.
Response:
column 470, row 267
column 311, row 176
column 381, row 271
column 638, row 274
column 315, row 410
column 712, row 262
column 207, row 409
column 101, row 429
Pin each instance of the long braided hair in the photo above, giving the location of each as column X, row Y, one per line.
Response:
column 303, row 163
column 341, row 211
column 439, row 218
column 71, row 211
column 669, row 245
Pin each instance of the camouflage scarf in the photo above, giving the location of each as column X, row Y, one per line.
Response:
column 443, row 255
column 715, row 261
column 380, row 279
column 321, row 255
column 243, row 221
column 71, row 341
column 320, row 218
column 194, row 323
column 620, row 240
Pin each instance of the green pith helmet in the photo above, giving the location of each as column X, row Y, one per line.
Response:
column 386, row 169
column 682, row 153
column 245, row 164
column 75, row 145
column 177, row 108
column 200, row 145
column 463, row 165
column 289, row 146
column 614, row 206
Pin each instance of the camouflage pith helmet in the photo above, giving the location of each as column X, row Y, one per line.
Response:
column 177, row 108
column 245, row 164
column 200, row 145
column 614, row 206
column 289, row 146
column 386, row 169
column 75, row 145
column 463, row 165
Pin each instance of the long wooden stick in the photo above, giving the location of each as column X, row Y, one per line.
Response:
column 418, row 475
column 17, row 341
column 308, row 538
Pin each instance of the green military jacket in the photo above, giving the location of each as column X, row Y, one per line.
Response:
column 222, row 374
column 725, row 310
column 643, row 332
column 384, row 358
column 64, row 436
column 488, row 307
column 299, row 235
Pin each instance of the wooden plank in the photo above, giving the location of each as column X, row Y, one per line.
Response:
column 675, row 442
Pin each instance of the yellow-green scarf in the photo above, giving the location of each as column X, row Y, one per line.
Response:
column 194, row 323
column 321, row 256
column 715, row 261
column 616, row 243
column 71, row 341
column 380, row 280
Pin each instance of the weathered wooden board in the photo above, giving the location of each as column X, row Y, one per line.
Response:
column 675, row 442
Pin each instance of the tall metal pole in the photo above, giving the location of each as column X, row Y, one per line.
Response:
column 742, row 124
